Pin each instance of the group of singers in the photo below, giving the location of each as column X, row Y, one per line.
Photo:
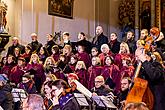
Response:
column 105, row 66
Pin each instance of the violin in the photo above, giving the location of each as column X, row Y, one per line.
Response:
column 154, row 34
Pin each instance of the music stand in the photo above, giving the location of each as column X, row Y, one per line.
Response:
column 81, row 99
column 103, row 102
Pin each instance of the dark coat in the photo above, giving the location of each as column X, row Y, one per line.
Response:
column 132, row 46
column 6, row 98
column 154, row 74
column 114, row 46
column 35, row 46
column 70, row 104
column 49, row 46
column 11, row 49
column 99, row 40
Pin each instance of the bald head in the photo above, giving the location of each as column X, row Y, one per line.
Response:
column 99, row 30
column 15, row 40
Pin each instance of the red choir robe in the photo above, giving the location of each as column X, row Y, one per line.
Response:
column 93, row 72
column 56, row 56
column 16, row 74
column 112, row 76
column 84, row 57
column 82, row 75
column 127, row 71
column 102, row 57
column 38, row 72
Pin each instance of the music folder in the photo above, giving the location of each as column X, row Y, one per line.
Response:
column 81, row 99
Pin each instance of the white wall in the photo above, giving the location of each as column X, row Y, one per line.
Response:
column 27, row 16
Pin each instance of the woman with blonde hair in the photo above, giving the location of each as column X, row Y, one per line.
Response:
column 35, row 68
column 123, row 52
column 67, row 51
column 81, row 72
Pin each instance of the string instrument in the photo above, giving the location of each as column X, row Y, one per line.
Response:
column 140, row 91
column 154, row 34
column 72, row 88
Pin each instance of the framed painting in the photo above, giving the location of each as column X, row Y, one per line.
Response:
column 62, row 8
column 163, row 15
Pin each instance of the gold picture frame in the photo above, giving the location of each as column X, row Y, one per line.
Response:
column 61, row 8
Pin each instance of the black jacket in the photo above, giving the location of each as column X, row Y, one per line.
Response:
column 49, row 46
column 99, row 40
column 6, row 98
column 35, row 46
column 154, row 73
column 115, row 46
column 11, row 49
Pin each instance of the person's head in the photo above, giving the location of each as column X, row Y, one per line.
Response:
column 21, row 61
column 140, row 43
column 26, row 78
column 126, row 61
column 50, row 77
column 105, row 48
column 130, row 35
column 124, row 48
column 10, row 59
column 140, row 53
column 71, row 77
column 33, row 37
column 99, row 30
column 49, row 37
column 65, row 36
column 17, row 51
column 47, row 87
column 94, row 51
column 43, row 51
column 15, row 41
column 81, row 36
column 34, row 58
column 59, row 86
column 49, row 61
column 99, row 81
column 136, row 106
column 28, row 49
column 143, row 34
column 4, row 60
column 80, row 48
column 113, row 36
column 108, row 60
column 80, row 65
column 3, row 80
column 125, row 83
column 73, row 59
column 55, row 49
column 67, row 50
column 96, row 61
column 33, row 102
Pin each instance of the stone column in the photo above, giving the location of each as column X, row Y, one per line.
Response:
column 153, row 13
column 137, row 19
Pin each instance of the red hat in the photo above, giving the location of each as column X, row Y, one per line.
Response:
column 73, row 75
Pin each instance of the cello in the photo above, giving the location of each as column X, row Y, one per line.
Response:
column 140, row 91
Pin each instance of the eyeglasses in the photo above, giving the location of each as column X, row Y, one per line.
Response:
column 98, row 81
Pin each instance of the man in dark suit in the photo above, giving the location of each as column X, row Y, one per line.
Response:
column 100, row 38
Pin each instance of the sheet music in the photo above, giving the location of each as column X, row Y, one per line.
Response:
column 83, row 89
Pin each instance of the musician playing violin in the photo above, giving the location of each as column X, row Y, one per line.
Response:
column 63, row 98
column 153, row 72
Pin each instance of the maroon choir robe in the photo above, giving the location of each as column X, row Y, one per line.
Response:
column 93, row 72
column 82, row 75
column 16, row 74
column 119, row 57
column 84, row 57
column 127, row 71
column 6, row 69
column 102, row 57
column 39, row 76
column 113, row 73
column 56, row 56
